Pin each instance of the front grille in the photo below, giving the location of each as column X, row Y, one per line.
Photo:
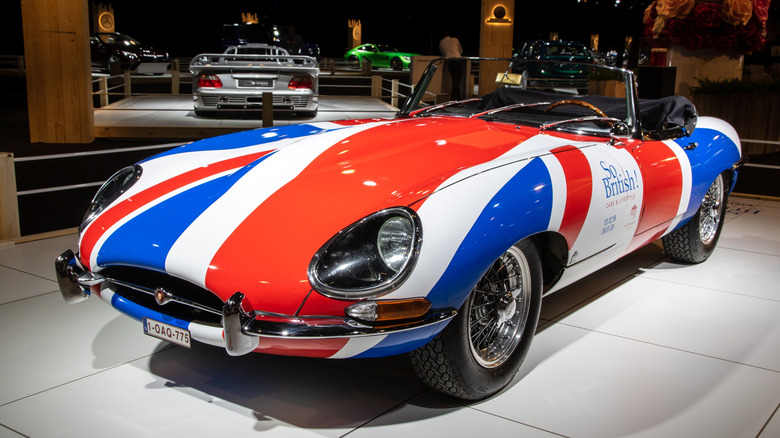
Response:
column 151, row 58
column 279, row 101
column 149, row 280
column 298, row 101
column 210, row 100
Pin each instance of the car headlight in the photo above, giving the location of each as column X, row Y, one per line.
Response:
column 112, row 189
column 369, row 258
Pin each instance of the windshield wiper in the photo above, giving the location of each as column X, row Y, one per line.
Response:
column 443, row 105
column 552, row 125
column 507, row 108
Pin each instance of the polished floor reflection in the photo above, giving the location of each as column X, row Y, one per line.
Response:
column 158, row 114
column 644, row 348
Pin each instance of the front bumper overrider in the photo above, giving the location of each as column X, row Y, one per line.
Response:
column 240, row 328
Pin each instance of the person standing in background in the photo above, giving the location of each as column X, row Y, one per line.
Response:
column 450, row 48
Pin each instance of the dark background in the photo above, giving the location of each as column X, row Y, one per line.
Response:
column 412, row 26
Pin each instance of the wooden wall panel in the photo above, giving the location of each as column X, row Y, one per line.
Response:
column 495, row 39
column 9, row 208
column 56, row 46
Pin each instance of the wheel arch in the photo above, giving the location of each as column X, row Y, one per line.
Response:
column 554, row 252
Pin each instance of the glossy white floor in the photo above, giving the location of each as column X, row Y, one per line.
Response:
column 165, row 111
column 644, row 348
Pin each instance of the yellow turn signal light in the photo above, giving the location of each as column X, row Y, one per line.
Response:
column 389, row 310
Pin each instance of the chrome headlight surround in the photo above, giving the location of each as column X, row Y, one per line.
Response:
column 112, row 189
column 369, row 258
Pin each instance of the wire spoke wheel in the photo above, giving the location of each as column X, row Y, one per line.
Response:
column 480, row 351
column 695, row 241
column 711, row 209
column 499, row 309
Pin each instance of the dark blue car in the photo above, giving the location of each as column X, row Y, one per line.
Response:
column 571, row 71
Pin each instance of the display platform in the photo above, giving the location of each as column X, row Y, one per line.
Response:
column 167, row 116
column 644, row 348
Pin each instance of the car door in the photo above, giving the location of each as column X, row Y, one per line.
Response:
column 603, row 199
column 666, row 171
column 370, row 53
column 600, row 188
column 98, row 53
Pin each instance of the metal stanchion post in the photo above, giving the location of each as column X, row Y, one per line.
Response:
column 268, row 110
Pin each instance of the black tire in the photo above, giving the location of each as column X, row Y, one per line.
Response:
column 396, row 64
column 502, row 312
column 695, row 241
column 113, row 60
column 353, row 60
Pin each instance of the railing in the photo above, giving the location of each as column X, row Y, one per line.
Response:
column 12, row 65
column 111, row 89
column 105, row 85
column 378, row 89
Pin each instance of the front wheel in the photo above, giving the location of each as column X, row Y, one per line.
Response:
column 480, row 351
column 695, row 241
column 113, row 60
column 396, row 64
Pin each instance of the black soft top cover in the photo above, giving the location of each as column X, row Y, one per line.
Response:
column 655, row 114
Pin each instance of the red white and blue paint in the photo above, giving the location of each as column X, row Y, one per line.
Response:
column 248, row 211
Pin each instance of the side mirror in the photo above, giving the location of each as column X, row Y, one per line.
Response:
column 617, row 132
column 619, row 129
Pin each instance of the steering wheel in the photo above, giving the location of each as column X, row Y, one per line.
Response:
column 576, row 102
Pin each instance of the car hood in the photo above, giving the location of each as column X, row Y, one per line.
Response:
column 567, row 65
column 138, row 50
column 569, row 58
column 246, row 212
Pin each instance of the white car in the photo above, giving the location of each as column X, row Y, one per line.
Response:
column 238, row 82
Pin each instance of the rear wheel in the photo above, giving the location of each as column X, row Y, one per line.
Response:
column 480, row 351
column 695, row 241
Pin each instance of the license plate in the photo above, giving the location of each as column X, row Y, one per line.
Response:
column 261, row 83
column 167, row 332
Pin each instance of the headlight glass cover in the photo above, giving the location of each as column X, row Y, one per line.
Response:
column 369, row 258
column 112, row 189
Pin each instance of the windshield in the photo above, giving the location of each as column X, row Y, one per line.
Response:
column 256, row 50
column 564, row 50
column 122, row 40
column 562, row 96
column 385, row 48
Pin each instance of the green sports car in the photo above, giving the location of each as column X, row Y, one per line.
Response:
column 379, row 55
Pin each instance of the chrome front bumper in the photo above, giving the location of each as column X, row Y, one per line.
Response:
column 241, row 329
column 73, row 279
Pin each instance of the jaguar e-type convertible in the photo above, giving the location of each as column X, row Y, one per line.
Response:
column 435, row 233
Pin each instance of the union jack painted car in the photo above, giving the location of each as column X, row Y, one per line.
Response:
column 435, row 233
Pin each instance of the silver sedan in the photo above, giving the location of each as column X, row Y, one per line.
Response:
column 237, row 79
